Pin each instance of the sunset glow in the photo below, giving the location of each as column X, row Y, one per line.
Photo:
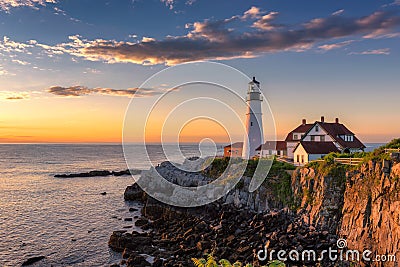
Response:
column 65, row 77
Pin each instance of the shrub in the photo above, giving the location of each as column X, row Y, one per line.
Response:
column 212, row 262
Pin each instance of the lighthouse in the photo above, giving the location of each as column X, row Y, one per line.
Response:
column 254, row 128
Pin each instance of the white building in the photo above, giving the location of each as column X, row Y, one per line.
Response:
column 307, row 151
column 272, row 148
column 293, row 138
column 254, row 127
column 323, row 138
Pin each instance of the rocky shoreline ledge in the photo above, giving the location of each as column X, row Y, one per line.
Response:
column 98, row 173
column 309, row 210
column 177, row 235
column 235, row 227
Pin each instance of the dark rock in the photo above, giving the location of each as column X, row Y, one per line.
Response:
column 84, row 174
column 135, row 193
column 136, row 260
column 128, row 219
column 98, row 173
column 103, row 193
column 141, row 222
column 32, row 260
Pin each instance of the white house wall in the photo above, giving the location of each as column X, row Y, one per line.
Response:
column 301, row 153
column 321, row 131
column 290, row 147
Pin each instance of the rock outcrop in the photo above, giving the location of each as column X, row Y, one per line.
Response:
column 177, row 235
column 362, row 205
column 371, row 211
column 98, row 174
column 330, row 201
column 263, row 199
column 319, row 196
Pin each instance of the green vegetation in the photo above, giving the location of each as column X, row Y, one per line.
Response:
column 212, row 262
column 278, row 179
column 376, row 155
column 219, row 165
column 379, row 153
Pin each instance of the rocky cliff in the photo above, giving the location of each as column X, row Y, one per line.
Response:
column 274, row 193
column 362, row 204
column 371, row 210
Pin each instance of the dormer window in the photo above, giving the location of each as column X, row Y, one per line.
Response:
column 347, row 138
column 295, row 137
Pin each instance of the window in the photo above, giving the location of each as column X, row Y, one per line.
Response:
column 302, row 158
column 270, row 152
column 316, row 128
column 298, row 158
column 312, row 138
column 295, row 137
column 322, row 138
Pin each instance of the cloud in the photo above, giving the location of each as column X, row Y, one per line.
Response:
column 6, row 5
column 216, row 40
column 190, row 2
column 9, row 46
column 15, row 98
column 4, row 72
column 328, row 47
column 382, row 34
column 337, row 13
column 79, row 90
column 247, row 35
column 253, row 12
column 59, row 11
column 20, row 62
column 148, row 39
column 11, row 95
column 265, row 22
column 169, row 3
column 383, row 51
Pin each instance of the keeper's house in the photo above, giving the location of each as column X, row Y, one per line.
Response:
column 323, row 138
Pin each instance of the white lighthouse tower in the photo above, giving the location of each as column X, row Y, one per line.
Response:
column 254, row 127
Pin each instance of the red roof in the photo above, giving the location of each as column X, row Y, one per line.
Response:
column 337, row 129
column 318, row 147
column 273, row 145
column 235, row 145
column 303, row 128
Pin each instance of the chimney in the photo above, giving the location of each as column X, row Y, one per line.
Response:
column 304, row 122
column 322, row 119
column 337, row 120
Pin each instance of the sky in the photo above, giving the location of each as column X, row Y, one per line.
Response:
column 69, row 68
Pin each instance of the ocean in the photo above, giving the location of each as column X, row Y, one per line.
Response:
column 67, row 220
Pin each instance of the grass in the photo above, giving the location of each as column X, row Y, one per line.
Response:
column 278, row 180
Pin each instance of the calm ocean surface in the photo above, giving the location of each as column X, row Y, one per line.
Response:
column 67, row 220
